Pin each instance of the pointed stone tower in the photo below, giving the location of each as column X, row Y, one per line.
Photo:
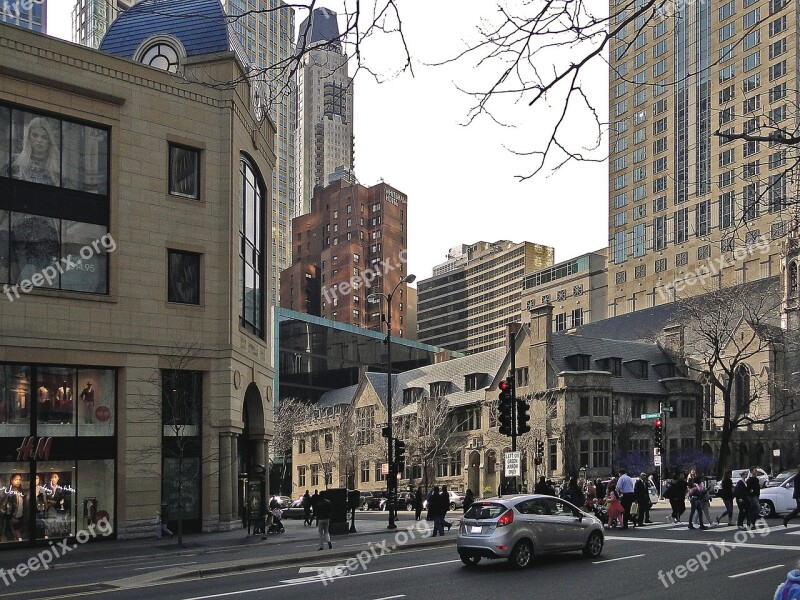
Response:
column 790, row 280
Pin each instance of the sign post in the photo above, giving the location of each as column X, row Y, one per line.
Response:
column 512, row 464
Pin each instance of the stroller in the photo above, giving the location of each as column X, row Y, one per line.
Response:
column 276, row 526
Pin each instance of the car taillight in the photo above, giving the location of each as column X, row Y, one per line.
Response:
column 506, row 519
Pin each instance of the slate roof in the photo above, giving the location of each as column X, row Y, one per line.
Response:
column 200, row 25
column 336, row 397
column 565, row 345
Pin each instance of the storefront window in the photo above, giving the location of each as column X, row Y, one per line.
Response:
column 36, row 146
column 15, row 401
column 4, row 244
column 96, row 402
column 95, row 492
column 14, row 503
column 85, row 158
column 85, row 257
column 5, row 140
column 55, row 401
column 35, row 245
column 55, row 499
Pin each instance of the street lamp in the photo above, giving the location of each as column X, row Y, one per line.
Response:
column 391, row 484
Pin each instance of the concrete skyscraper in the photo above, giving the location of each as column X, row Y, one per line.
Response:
column 30, row 14
column 325, row 107
column 690, row 210
column 92, row 18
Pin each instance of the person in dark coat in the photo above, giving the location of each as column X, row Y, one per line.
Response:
column 676, row 494
column 740, row 495
column 314, row 501
column 436, row 511
column 541, row 487
column 418, row 503
column 574, row 493
column 726, row 494
column 306, row 502
column 469, row 500
column 796, row 497
column 642, row 498
column 753, row 494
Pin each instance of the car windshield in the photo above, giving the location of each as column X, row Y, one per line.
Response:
column 485, row 510
column 784, row 476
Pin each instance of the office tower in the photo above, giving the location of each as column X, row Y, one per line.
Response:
column 351, row 244
column 467, row 303
column 324, row 107
column 689, row 210
column 30, row 14
column 92, row 18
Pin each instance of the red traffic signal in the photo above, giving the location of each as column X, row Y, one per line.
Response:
column 658, row 423
column 504, row 385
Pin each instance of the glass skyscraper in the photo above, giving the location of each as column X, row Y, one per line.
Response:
column 30, row 14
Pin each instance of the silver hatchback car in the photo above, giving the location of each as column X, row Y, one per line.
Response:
column 519, row 527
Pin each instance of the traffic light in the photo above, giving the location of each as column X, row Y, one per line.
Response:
column 522, row 417
column 539, row 449
column 537, row 460
column 658, row 431
column 400, row 455
column 504, row 407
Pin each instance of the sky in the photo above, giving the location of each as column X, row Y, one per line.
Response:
column 460, row 180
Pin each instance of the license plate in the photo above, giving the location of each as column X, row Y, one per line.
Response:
column 475, row 529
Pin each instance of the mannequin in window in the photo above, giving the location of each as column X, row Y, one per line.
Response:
column 44, row 402
column 23, row 388
column 64, row 403
column 39, row 161
column 87, row 396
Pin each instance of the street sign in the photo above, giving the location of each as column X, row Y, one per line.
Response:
column 776, row 452
column 656, row 451
column 657, row 460
column 651, row 415
column 384, row 468
column 512, row 460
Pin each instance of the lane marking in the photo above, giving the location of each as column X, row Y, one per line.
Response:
column 706, row 543
column 317, row 580
column 165, row 566
column 600, row 562
column 756, row 571
column 391, row 597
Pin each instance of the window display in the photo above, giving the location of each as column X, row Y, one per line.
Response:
column 36, row 143
column 85, row 158
column 13, row 508
column 4, row 244
column 5, row 140
column 55, row 401
column 15, row 389
column 96, row 402
column 55, row 501
column 35, row 244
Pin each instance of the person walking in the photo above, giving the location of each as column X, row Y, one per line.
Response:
column 677, row 497
column 753, row 495
column 726, row 494
column 306, row 502
column 796, row 497
column 436, row 511
column 642, row 497
column 314, row 500
column 696, row 490
column 469, row 500
column 445, row 507
column 322, row 512
column 625, row 491
column 614, row 508
column 541, row 487
column 740, row 495
column 574, row 493
column 418, row 504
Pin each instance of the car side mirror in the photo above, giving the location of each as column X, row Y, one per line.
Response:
column 579, row 514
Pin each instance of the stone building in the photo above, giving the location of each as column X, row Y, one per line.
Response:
column 134, row 252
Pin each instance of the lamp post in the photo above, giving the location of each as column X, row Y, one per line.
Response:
column 391, row 484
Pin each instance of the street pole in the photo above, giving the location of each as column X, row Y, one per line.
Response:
column 513, row 346
column 391, row 483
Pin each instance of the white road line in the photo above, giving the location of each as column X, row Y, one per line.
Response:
column 165, row 566
column 316, row 580
column 705, row 543
column 756, row 571
column 600, row 562
column 391, row 597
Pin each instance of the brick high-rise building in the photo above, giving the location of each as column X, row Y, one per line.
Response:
column 683, row 200
column 351, row 244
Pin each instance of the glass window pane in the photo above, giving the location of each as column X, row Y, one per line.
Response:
column 250, row 212
column 249, row 293
column 184, row 277
column 15, row 401
column 16, row 486
column 96, row 402
column 187, row 493
column 35, row 245
column 55, row 499
column 4, row 245
column 94, row 494
column 55, row 401
column 5, row 140
column 184, row 172
column 85, row 162
column 85, row 250
column 36, row 146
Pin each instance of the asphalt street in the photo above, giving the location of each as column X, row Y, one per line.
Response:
column 658, row 561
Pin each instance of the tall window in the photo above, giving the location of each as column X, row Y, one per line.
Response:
column 251, row 250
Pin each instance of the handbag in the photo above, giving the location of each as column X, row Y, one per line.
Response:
column 635, row 508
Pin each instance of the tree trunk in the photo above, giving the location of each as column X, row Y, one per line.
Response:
column 180, row 499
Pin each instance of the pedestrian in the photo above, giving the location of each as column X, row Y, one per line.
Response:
column 306, row 502
column 726, row 494
column 789, row 589
column 796, row 497
column 677, row 497
column 469, row 499
column 574, row 493
column 740, row 495
column 418, row 504
column 642, row 498
column 696, row 492
column 600, row 489
column 314, row 500
column 541, row 487
column 753, row 494
column 445, row 506
column 436, row 511
column 322, row 511
column 614, row 508
column 625, row 491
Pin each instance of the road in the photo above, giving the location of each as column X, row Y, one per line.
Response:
column 659, row 561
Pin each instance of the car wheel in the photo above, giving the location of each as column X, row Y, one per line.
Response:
column 452, row 506
column 766, row 508
column 594, row 545
column 521, row 554
column 470, row 560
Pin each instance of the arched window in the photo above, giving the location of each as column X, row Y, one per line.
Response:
column 251, row 250
column 709, row 393
column 741, row 389
column 163, row 52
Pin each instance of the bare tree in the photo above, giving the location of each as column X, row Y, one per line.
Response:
column 290, row 414
column 732, row 333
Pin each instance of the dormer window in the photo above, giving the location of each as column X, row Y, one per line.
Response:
column 639, row 368
column 579, row 362
column 612, row 364
column 411, row 395
column 161, row 52
column 474, row 381
column 439, row 388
